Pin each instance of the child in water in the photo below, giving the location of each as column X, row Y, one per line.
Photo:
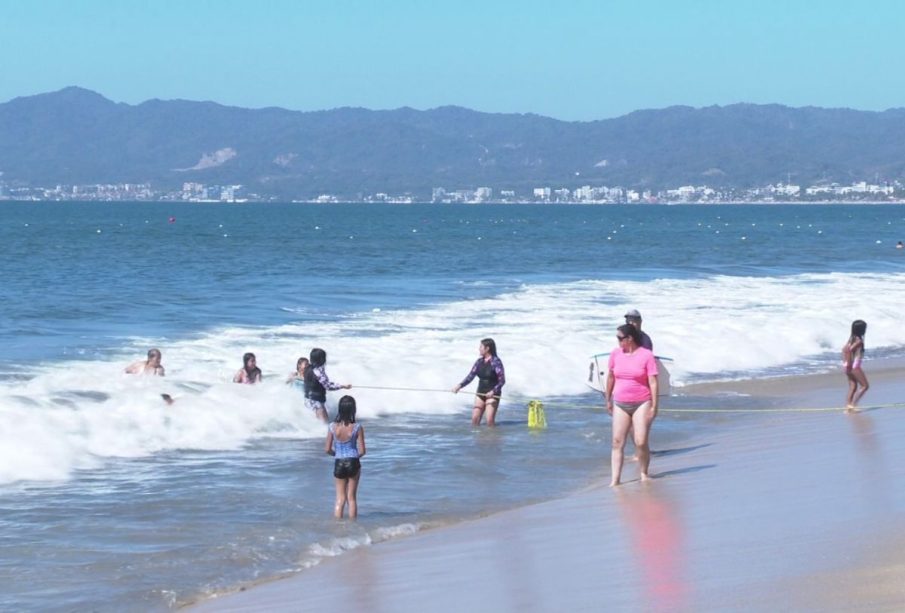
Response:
column 317, row 383
column 346, row 441
column 297, row 379
column 249, row 373
column 852, row 355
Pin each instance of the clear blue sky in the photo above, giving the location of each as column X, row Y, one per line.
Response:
column 570, row 59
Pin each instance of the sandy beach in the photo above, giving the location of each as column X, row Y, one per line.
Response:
column 757, row 512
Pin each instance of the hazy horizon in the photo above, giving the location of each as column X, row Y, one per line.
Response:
column 741, row 102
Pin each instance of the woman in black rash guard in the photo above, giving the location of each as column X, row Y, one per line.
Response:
column 491, row 378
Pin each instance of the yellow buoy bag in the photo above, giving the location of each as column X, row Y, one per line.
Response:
column 536, row 417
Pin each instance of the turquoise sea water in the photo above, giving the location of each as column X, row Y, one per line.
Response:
column 112, row 500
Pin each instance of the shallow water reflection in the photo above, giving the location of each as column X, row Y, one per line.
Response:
column 654, row 527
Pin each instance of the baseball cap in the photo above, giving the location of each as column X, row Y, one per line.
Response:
column 632, row 314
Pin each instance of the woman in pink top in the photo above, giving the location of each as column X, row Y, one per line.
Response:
column 631, row 398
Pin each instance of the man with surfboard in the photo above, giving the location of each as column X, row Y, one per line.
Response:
column 597, row 372
column 633, row 317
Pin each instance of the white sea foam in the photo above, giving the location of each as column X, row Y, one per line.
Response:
column 338, row 546
column 73, row 415
column 391, row 532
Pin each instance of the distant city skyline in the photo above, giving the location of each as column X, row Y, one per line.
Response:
column 577, row 60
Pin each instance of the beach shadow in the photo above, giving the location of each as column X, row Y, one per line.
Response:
column 667, row 452
column 682, row 471
column 860, row 410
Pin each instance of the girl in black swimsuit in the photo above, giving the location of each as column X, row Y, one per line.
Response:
column 491, row 378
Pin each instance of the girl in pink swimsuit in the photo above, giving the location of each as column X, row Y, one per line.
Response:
column 852, row 355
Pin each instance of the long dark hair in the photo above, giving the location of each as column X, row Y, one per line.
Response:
column 632, row 331
column 318, row 357
column 490, row 344
column 345, row 414
column 859, row 327
column 251, row 372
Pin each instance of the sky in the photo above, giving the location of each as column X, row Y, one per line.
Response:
column 568, row 59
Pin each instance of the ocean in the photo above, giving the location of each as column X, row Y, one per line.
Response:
column 111, row 500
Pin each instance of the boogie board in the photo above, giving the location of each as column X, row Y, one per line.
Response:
column 598, row 368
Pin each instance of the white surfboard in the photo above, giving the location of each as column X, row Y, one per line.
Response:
column 597, row 370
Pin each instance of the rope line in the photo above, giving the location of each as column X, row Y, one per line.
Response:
column 400, row 389
column 891, row 405
column 416, row 389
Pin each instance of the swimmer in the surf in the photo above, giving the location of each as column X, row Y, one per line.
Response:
column 151, row 366
column 297, row 379
column 249, row 373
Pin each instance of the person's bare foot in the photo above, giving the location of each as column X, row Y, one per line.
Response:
column 615, row 483
column 645, row 477
column 850, row 408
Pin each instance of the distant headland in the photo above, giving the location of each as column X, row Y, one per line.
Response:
column 74, row 144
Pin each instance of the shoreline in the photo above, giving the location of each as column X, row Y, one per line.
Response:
column 760, row 507
column 491, row 202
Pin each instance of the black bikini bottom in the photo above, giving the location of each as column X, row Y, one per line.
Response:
column 346, row 468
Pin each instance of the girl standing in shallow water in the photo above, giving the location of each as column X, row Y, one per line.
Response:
column 317, row 383
column 852, row 355
column 491, row 378
column 346, row 441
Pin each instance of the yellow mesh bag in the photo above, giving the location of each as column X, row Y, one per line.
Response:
column 536, row 417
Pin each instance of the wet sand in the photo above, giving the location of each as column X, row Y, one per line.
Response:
column 758, row 512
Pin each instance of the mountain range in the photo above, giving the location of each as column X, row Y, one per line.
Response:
column 76, row 136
